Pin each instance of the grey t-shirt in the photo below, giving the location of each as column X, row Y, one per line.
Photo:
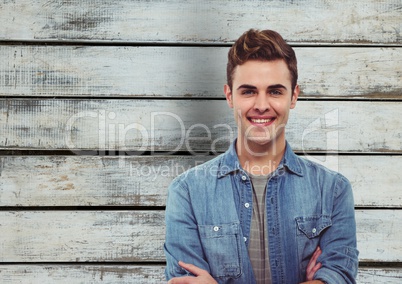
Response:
column 258, row 245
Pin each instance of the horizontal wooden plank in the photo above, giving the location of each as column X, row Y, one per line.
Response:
column 190, row 125
column 71, row 274
column 345, row 21
column 143, row 181
column 379, row 235
column 129, row 236
column 81, row 236
column 367, row 275
column 197, row 72
column 125, row 274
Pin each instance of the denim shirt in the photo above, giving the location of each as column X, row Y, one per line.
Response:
column 208, row 219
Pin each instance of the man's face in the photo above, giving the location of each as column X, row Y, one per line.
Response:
column 261, row 98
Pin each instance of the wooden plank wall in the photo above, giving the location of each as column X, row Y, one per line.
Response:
column 104, row 102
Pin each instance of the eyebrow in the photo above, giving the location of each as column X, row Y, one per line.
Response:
column 277, row 86
column 247, row 86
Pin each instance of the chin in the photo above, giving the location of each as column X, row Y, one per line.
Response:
column 259, row 140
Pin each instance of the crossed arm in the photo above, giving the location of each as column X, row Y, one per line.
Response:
column 338, row 263
column 203, row 277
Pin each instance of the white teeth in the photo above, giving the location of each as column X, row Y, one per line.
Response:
column 261, row 120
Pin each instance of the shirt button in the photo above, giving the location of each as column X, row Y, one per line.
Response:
column 216, row 228
column 244, row 178
column 314, row 230
column 245, row 239
column 247, row 205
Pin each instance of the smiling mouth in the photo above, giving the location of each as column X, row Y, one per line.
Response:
column 261, row 120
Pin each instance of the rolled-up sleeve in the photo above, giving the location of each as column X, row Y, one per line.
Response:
column 182, row 240
column 339, row 256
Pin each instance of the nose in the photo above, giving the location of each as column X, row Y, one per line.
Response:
column 261, row 103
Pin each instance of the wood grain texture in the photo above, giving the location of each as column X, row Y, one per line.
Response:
column 187, row 72
column 149, row 274
column 345, row 21
column 132, row 236
column 379, row 275
column 378, row 235
column 82, row 236
column 71, row 274
column 190, row 125
column 143, row 181
column 129, row 80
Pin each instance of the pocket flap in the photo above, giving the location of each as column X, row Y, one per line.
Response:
column 313, row 226
column 218, row 230
column 222, row 248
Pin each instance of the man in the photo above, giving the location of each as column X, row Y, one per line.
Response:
column 258, row 213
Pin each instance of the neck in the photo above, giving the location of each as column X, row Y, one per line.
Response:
column 260, row 159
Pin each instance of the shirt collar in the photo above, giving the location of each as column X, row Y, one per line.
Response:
column 291, row 161
column 230, row 161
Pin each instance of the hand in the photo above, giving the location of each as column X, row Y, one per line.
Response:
column 201, row 276
column 313, row 266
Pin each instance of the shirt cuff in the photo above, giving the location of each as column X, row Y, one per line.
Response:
column 329, row 276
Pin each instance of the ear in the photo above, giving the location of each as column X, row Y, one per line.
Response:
column 295, row 96
column 228, row 94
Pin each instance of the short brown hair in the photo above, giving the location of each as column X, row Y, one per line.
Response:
column 266, row 45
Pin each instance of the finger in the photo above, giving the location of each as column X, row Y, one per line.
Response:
column 192, row 268
column 310, row 273
column 315, row 268
column 314, row 258
column 311, row 265
column 317, row 253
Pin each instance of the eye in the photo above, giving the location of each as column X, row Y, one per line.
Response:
column 248, row 92
column 275, row 92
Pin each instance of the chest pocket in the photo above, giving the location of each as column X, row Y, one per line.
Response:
column 308, row 233
column 312, row 226
column 221, row 245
